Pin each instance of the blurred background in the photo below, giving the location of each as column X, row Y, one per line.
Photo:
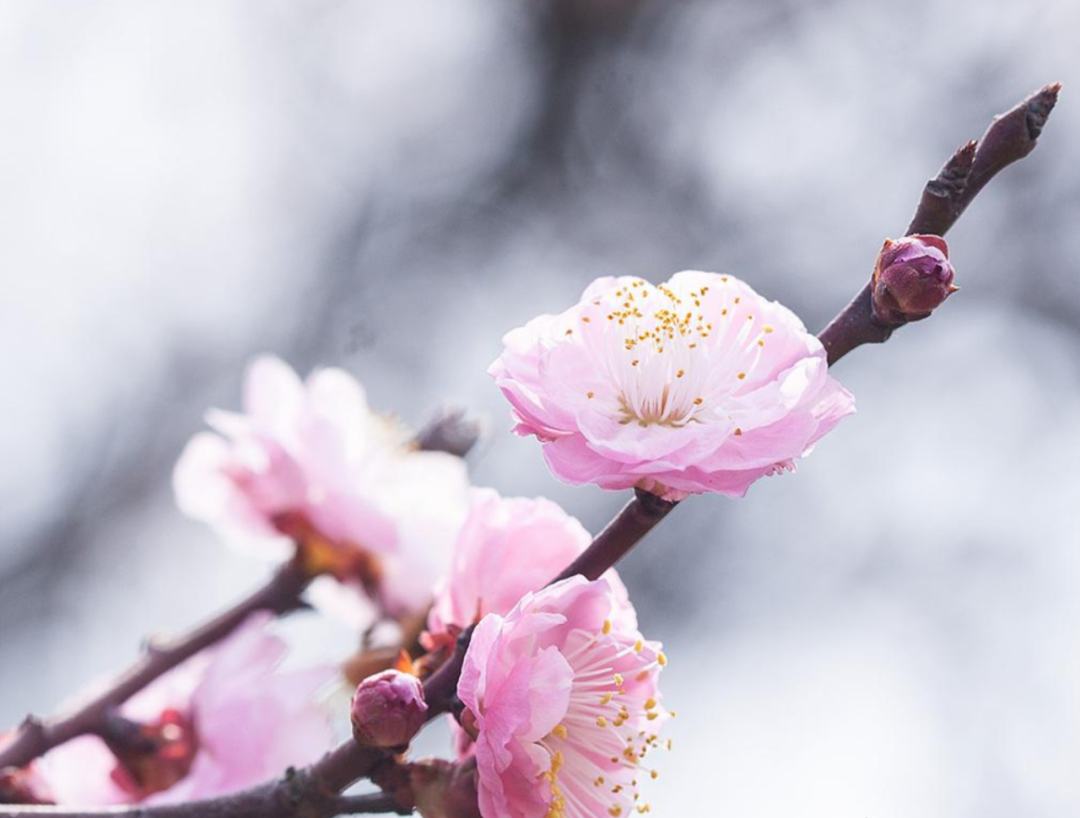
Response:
column 390, row 186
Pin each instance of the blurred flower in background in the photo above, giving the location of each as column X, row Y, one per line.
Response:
column 372, row 186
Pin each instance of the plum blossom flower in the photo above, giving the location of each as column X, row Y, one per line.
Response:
column 697, row 385
column 312, row 463
column 562, row 694
column 507, row 547
column 226, row 719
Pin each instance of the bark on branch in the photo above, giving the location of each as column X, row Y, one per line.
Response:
column 1011, row 136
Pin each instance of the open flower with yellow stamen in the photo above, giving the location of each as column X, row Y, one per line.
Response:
column 697, row 385
column 562, row 694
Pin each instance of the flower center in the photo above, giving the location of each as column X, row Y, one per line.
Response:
column 673, row 355
column 599, row 749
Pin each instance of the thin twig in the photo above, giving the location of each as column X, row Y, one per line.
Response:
column 1010, row 137
column 36, row 737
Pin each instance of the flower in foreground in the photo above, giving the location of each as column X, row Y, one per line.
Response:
column 311, row 462
column 224, row 720
column 562, row 695
column 912, row 277
column 507, row 547
column 697, row 385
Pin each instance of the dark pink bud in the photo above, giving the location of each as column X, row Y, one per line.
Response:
column 911, row 278
column 388, row 709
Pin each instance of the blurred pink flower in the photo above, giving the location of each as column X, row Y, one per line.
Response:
column 698, row 385
column 313, row 456
column 562, row 694
column 507, row 547
column 222, row 721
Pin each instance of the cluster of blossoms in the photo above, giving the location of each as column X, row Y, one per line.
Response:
column 692, row 386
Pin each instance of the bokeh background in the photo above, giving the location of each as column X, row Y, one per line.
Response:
column 390, row 186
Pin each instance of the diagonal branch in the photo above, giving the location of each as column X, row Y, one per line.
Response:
column 1010, row 137
column 36, row 737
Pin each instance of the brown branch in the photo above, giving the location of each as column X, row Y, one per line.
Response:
column 312, row 792
column 1010, row 137
column 636, row 519
column 36, row 737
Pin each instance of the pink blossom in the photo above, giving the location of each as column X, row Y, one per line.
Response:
column 224, row 720
column 698, row 385
column 313, row 457
column 507, row 547
column 562, row 693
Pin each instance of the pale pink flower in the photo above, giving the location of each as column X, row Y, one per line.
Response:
column 698, row 385
column 313, row 455
column 562, row 694
column 225, row 720
column 507, row 547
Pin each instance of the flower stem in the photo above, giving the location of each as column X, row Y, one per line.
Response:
column 636, row 519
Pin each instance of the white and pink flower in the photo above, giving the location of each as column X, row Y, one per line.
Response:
column 226, row 719
column 693, row 386
column 562, row 694
column 507, row 547
column 313, row 457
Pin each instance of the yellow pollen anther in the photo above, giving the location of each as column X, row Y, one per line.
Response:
column 601, row 721
column 661, row 659
column 569, row 332
column 639, row 646
column 654, row 774
column 607, row 627
column 680, row 373
column 618, row 679
column 606, row 698
column 615, row 812
column 590, row 395
column 560, row 731
column 650, row 704
column 698, row 401
column 586, row 319
column 653, row 716
column 742, row 376
column 768, row 328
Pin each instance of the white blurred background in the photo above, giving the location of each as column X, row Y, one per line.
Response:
column 389, row 186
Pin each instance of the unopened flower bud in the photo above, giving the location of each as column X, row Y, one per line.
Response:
column 388, row 709
column 911, row 278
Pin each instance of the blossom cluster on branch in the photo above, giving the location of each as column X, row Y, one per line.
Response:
column 502, row 615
